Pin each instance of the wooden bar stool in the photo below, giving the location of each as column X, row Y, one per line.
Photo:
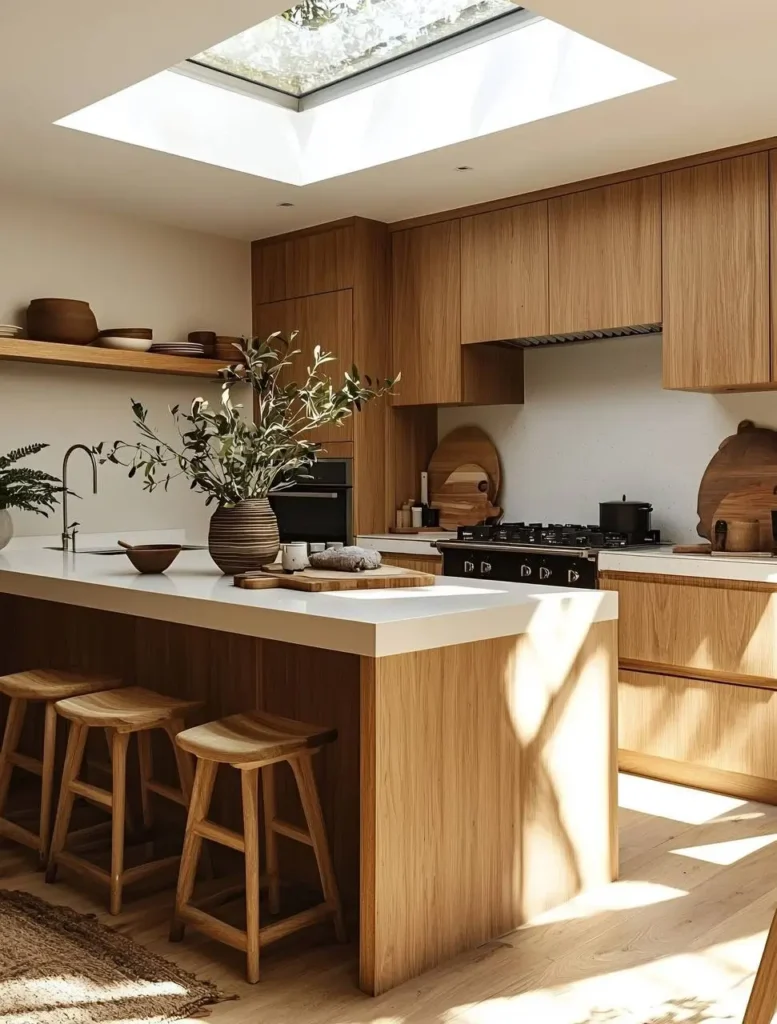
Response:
column 120, row 713
column 252, row 743
column 38, row 686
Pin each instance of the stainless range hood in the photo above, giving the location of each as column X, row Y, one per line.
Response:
column 578, row 336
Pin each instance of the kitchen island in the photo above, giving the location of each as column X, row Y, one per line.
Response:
column 472, row 785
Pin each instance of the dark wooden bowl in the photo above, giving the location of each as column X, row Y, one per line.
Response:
column 128, row 332
column 67, row 321
column 148, row 558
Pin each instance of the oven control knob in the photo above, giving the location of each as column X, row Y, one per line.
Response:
column 485, row 568
column 573, row 576
column 469, row 567
column 545, row 573
column 525, row 570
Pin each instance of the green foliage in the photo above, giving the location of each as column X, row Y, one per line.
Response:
column 30, row 490
column 314, row 13
column 226, row 456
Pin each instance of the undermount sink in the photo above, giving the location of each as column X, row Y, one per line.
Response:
column 121, row 551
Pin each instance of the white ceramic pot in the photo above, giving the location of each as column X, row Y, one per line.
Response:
column 6, row 527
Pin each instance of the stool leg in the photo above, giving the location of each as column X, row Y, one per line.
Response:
column 763, row 997
column 204, row 778
column 76, row 741
column 119, row 744
column 13, row 730
column 249, row 780
column 303, row 772
column 146, row 764
column 270, row 837
column 185, row 764
column 47, row 780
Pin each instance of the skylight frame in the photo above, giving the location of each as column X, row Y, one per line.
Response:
column 509, row 21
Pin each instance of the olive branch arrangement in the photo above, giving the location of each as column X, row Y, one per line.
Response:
column 231, row 458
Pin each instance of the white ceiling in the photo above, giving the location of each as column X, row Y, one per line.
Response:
column 58, row 58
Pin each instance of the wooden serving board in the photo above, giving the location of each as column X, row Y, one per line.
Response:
column 465, row 446
column 752, row 503
column 744, row 460
column 322, row 580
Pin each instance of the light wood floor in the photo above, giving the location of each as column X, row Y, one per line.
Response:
column 676, row 940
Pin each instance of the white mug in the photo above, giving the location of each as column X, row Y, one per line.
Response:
column 294, row 556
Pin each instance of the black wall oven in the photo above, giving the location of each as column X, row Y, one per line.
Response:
column 319, row 508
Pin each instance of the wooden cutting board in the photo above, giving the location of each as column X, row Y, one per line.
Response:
column 463, row 498
column 465, row 446
column 322, row 580
column 751, row 503
column 746, row 459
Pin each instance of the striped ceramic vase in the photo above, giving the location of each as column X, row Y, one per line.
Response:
column 243, row 537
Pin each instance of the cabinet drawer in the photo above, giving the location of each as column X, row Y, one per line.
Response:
column 715, row 725
column 421, row 563
column 716, row 630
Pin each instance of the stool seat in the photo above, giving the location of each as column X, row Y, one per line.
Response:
column 252, row 737
column 53, row 684
column 131, row 709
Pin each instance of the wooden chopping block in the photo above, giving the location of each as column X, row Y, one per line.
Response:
column 751, row 503
column 323, row 580
column 463, row 499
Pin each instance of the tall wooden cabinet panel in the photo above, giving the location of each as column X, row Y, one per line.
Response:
column 303, row 264
column 325, row 320
column 716, row 275
column 604, row 249
column 504, row 274
column 425, row 313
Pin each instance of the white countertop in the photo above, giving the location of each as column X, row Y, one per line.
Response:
column 663, row 562
column 405, row 543
column 374, row 623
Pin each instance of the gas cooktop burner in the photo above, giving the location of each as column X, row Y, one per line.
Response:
column 566, row 535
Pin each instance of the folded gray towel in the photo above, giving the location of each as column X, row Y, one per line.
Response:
column 352, row 559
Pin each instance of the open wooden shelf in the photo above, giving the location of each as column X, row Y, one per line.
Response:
column 107, row 358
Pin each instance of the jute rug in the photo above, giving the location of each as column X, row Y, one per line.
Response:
column 60, row 967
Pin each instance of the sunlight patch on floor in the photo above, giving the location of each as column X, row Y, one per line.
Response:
column 727, row 852
column 626, row 895
column 711, row 985
column 665, row 800
column 37, row 995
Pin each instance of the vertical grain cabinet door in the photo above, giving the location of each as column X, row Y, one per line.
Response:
column 504, row 274
column 288, row 268
column 425, row 314
column 325, row 320
column 605, row 257
column 716, row 275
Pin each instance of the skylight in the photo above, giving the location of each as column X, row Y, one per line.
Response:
column 317, row 43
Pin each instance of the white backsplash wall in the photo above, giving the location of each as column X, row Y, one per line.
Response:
column 596, row 424
column 134, row 274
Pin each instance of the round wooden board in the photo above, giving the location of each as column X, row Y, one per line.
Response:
column 465, row 446
column 744, row 460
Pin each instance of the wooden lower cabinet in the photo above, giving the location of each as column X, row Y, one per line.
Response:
column 712, row 728
column 421, row 563
column 697, row 691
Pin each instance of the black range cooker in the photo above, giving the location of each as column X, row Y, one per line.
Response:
column 553, row 555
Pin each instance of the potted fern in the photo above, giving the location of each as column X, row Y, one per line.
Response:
column 29, row 490
column 235, row 460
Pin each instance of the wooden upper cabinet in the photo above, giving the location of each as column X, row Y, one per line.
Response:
column 325, row 320
column 716, row 275
column 426, row 320
column 604, row 248
column 504, row 274
column 288, row 268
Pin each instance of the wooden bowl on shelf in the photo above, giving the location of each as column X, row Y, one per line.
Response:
column 66, row 321
column 128, row 332
column 225, row 348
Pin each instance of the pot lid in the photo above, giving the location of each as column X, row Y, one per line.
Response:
column 641, row 504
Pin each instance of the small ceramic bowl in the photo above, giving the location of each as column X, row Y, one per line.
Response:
column 120, row 342
column 153, row 557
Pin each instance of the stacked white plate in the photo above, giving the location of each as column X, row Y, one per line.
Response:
column 179, row 348
column 10, row 331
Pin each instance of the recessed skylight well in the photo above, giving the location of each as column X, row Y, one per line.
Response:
column 363, row 83
column 318, row 43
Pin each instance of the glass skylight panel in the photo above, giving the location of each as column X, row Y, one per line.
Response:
column 319, row 42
